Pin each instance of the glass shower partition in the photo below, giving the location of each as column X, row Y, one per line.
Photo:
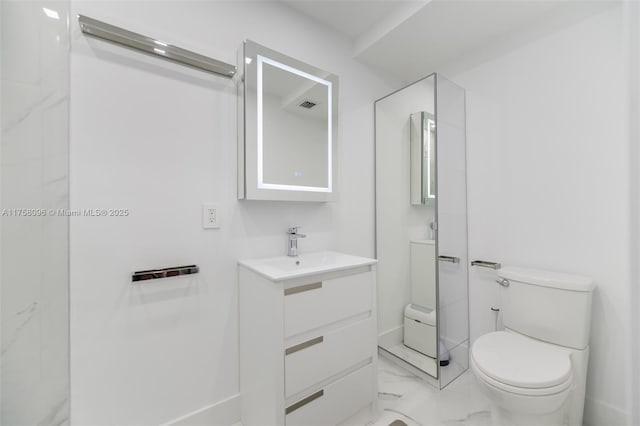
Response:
column 421, row 229
column 453, row 292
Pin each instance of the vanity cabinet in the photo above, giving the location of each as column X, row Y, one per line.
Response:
column 308, row 347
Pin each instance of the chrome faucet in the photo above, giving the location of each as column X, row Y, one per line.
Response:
column 292, row 247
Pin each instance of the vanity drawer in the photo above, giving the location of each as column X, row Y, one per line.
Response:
column 320, row 303
column 336, row 402
column 319, row 358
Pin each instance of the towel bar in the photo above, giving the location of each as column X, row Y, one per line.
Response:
column 175, row 271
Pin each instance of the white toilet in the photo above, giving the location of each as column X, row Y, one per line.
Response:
column 535, row 371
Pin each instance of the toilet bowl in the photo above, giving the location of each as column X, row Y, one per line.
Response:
column 534, row 372
column 527, row 381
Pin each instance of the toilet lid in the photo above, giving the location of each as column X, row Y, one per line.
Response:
column 519, row 361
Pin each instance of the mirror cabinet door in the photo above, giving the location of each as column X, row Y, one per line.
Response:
column 287, row 143
column 423, row 158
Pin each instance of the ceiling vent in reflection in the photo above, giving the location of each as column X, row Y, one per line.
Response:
column 307, row 104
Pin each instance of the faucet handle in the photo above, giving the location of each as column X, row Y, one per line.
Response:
column 294, row 229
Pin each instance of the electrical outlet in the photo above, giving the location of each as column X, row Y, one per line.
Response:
column 210, row 216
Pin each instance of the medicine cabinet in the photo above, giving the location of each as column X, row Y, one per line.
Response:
column 288, row 127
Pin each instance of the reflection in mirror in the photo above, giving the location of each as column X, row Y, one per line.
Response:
column 423, row 158
column 421, row 229
column 287, row 139
column 406, row 250
column 294, row 111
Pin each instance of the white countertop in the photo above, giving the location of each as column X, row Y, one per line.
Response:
column 285, row 267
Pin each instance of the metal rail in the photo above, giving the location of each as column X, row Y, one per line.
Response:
column 486, row 264
column 175, row 271
column 152, row 46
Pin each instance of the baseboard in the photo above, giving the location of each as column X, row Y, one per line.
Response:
column 221, row 413
column 600, row 413
column 408, row 367
column 390, row 338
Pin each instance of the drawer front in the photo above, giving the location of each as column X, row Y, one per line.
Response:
column 316, row 304
column 323, row 356
column 336, row 402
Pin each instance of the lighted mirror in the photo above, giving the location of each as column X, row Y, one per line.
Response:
column 288, row 127
column 423, row 158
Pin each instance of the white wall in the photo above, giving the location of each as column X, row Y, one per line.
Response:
column 34, row 161
column 160, row 139
column 549, row 182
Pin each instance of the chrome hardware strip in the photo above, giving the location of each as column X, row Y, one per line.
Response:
column 486, row 264
column 155, row 47
column 450, row 259
column 304, row 345
column 302, row 288
column 303, row 402
column 153, row 274
column 503, row 282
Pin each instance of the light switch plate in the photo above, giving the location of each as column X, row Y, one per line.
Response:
column 210, row 216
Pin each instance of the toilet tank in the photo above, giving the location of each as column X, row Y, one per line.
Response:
column 548, row 306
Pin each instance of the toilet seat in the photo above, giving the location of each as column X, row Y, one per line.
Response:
column 521, row 365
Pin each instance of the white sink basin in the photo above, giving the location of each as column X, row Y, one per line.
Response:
column 285, row 267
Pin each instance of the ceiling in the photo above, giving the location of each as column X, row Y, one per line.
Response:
column 351, row 17
column 411, row 39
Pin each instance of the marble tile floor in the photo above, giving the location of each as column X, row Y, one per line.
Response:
column 406, row 398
